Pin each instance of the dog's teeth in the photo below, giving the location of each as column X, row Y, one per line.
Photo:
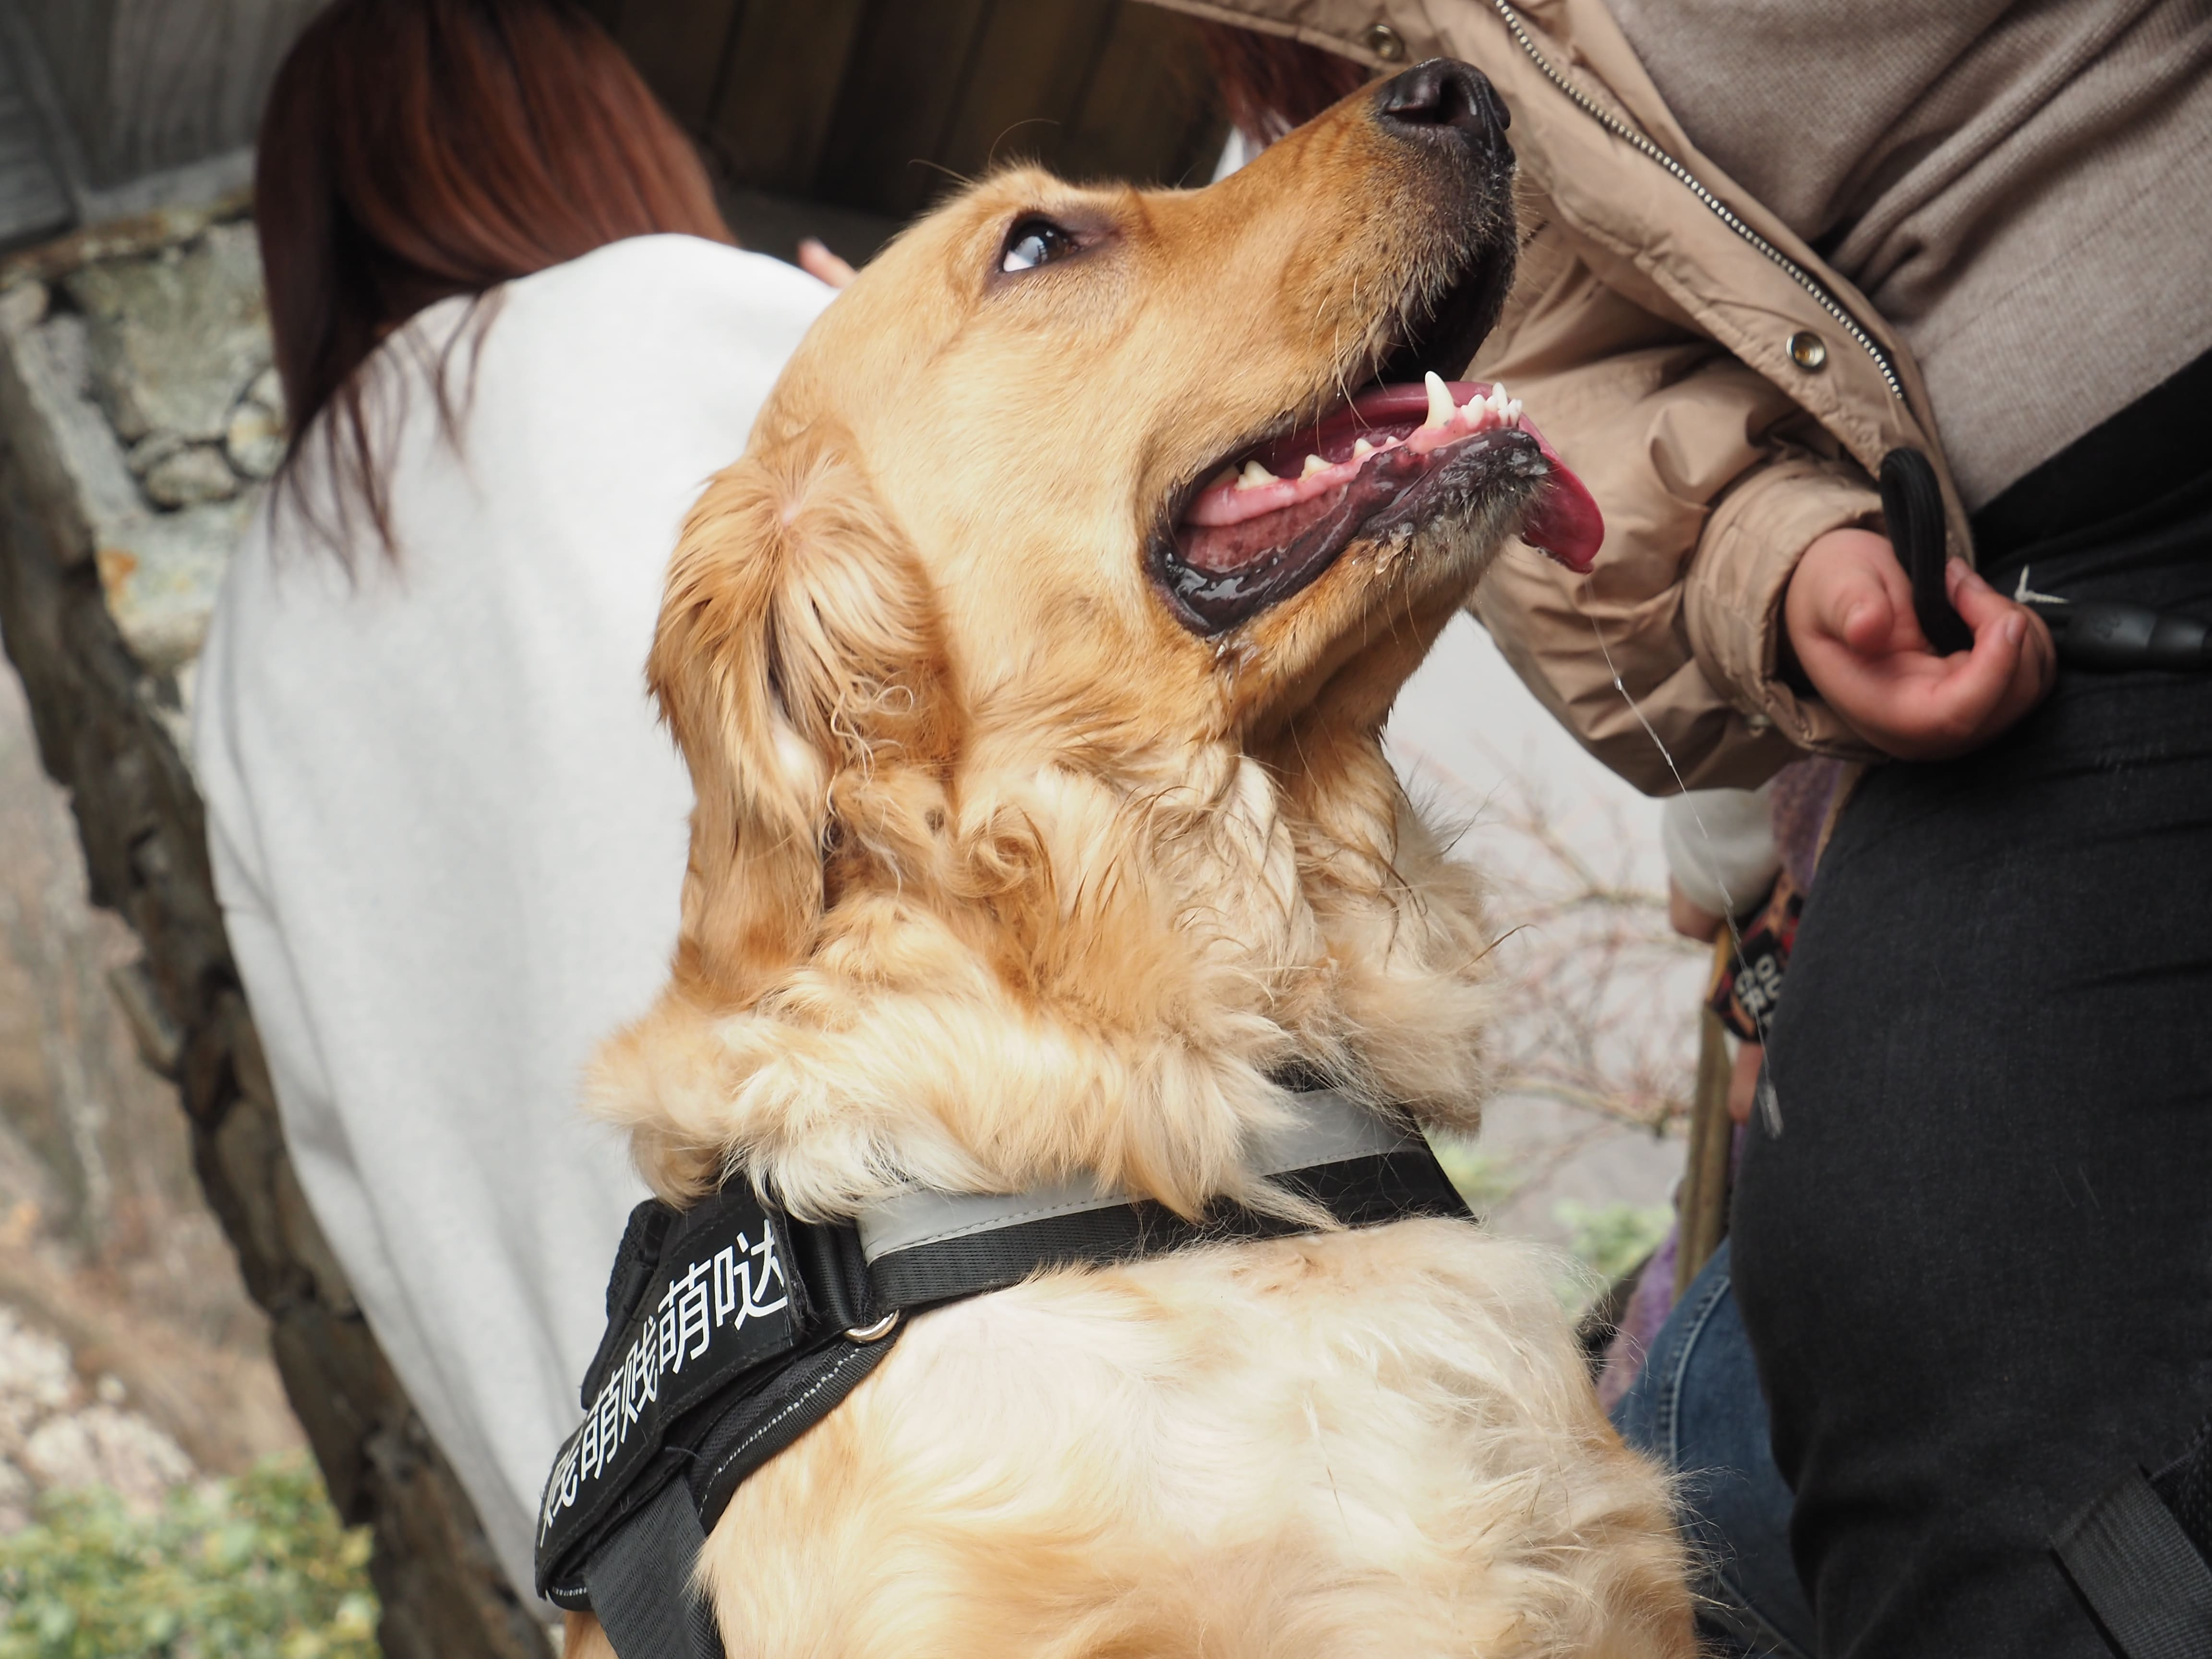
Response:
column 1314, row 464
column 1440, row 403
column 1513, row 412
column 1254, row 475
column 1222, row 479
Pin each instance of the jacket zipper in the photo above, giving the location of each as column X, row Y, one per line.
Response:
column 1721, row 210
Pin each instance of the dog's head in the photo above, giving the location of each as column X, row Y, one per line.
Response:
column 1031, row 664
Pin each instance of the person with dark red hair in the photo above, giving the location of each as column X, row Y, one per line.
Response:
column 515, row 340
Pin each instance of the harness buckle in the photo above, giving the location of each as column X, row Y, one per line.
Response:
column 882, row 1327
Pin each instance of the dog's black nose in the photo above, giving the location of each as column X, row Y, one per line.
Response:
column 1443, row 97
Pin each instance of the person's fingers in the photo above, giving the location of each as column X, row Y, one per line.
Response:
column 1865, row 617
column 1971, row 696
column 1687, row 917
column 1856, row 593
column 2035, row 658
column 1977, row 603
column 816, row 259
column 1853, row 605
column 2045, row 652
column 2037, row 673
column 1851, row 622
column 1980, row 604
column 1743, row 1081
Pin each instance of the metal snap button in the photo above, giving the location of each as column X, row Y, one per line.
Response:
column 1384, row 42
column 1808, row 349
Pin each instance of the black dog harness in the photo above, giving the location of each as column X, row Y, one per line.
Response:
column 732, row 1329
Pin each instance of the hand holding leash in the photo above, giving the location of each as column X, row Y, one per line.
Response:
column 1851, row 622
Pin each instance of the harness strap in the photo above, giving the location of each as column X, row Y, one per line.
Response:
column 733, row 1329
column 2136, row 1567
column 648, row 1604
column 1361, row 1166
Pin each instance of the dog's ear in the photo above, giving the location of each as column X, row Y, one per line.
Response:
column 799, row 662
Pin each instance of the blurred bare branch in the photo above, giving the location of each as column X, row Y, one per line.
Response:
column 1596, row 992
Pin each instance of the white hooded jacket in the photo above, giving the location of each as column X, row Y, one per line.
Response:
column 447, row 833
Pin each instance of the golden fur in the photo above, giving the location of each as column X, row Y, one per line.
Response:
column 998, row 873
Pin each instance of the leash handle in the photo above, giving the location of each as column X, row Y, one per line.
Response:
column 1912, row 504
column 2115, row 637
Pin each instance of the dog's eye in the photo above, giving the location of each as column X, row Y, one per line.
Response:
column 1034, row 242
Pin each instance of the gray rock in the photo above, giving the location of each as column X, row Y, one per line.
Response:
column 268, row 391
column 66, row 447
column 36, row 1377
column 189, row 475
column 150, row 452
column 22, row 305
column 160, row 574
column 103, row 1448
column 176, row 338
column 255, row 439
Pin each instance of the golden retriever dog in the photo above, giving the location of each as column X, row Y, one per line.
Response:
column 1031, row 666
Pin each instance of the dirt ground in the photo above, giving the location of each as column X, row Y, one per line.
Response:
column 129, row 1355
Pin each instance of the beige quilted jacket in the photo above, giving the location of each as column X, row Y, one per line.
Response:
column 1726, row 397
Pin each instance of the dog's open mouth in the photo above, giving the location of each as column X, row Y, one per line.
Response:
column 1396, row 455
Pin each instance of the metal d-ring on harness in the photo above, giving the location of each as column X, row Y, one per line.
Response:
column 733, row 1327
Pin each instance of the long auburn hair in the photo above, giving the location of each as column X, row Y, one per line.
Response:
column 1270, row 83
column 416, row 149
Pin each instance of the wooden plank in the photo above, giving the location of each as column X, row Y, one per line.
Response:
column 1704, row 1204
column 1150, row 113
column 33, row 202
column 779, row 90
column 1025, row 84
column 72, row 37
column 774, row 224
column 680, row 48
column 906, row 80
column 149, row 84
column 880, row 106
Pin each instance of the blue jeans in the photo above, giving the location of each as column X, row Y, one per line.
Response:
column 1697, row 1408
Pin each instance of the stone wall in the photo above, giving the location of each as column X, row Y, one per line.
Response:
column 138, row 423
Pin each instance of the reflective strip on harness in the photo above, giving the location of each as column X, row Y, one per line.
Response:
column 1323, row 1127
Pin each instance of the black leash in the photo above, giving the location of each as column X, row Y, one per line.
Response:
column 1912, row 508
column 2103, row 635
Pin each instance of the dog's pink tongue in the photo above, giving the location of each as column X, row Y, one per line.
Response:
column 1565, row 522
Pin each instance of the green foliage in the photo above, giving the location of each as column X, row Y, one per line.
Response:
column 1484, row 1180
column 254, row 1568
column 1613, row 1237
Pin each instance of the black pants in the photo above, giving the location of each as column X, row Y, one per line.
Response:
column 1976, row 1265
